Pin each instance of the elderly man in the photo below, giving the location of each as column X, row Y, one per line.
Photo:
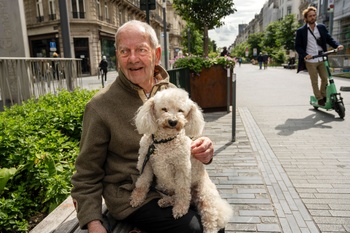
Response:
column 106, row 165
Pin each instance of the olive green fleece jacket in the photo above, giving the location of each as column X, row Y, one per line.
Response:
column 106, row 164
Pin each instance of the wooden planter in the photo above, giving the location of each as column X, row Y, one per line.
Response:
column 209, row 89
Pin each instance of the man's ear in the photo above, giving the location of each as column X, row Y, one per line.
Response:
column 158, row 55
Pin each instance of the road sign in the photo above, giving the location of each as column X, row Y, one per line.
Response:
column 53, row 46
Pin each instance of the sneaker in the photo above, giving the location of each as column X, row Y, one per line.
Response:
column 325, row 99
column 321, row 102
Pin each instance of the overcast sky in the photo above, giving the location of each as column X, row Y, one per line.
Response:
column 246, row 10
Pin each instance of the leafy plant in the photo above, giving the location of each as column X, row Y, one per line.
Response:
column 204, row 15
column 39, row 142
column 196, row 64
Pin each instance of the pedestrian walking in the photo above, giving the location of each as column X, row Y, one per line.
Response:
column 224, row 52
column 103, row 68
column 265, row 60
column 260, row 60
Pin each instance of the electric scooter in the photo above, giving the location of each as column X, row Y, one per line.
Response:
column 334, row 100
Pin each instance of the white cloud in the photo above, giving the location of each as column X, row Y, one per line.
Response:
column 246, row 11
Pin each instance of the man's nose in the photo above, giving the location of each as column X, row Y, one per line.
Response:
column 134, row 55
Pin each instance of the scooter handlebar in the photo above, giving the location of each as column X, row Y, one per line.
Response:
column 326, row 53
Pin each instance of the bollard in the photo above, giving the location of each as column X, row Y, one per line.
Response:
column 233, row 107
column 228, row 89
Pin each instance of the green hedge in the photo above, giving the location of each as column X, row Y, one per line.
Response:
column 39, row 141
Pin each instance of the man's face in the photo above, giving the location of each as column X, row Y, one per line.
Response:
column 136, row 57
column 311, row 17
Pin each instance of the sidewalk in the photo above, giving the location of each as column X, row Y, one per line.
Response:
column 289, row 169
column 94, row 82
column 250, row 177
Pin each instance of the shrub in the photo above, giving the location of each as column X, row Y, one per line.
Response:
column 39, row 142
column 196, row 64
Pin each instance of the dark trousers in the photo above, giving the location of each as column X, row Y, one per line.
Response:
column 151, row 218
column 104, row 74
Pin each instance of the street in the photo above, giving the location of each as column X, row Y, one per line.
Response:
column 310, row 148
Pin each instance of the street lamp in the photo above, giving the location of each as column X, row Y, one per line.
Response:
column 65, row 28
column 165, row 36
column 147, row 5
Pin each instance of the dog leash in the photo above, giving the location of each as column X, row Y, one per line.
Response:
column 152, row 147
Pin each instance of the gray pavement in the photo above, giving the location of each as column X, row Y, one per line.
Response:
column 289, row 167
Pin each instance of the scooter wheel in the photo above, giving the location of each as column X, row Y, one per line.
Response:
column 340, row 109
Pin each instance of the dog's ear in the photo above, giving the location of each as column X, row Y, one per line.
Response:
column 195, row 124
column 145, row 120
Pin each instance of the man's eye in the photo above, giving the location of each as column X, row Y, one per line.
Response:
column 123, row 52
column 143, row 51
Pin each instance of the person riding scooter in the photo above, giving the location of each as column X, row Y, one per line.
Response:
column 312, row 39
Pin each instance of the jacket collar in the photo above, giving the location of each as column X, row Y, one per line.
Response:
column 160, row 74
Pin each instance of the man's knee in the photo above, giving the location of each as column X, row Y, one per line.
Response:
column 195, row 225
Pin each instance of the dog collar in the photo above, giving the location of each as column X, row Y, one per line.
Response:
column 162, row 140
column 152, row 147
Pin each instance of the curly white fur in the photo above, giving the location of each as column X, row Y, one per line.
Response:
column 171, row 115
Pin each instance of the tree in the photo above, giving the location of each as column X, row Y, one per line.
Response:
column 204, row 14
column 192, row 40
column 255, row 41
column 286, row 32
column 271, row 37
column 239, row 50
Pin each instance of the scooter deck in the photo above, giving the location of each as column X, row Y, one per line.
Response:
column 314, row 102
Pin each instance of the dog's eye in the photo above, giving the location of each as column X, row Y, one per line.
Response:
column 164, row 109
column 180, row 110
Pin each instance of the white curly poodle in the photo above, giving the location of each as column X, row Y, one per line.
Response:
column 168, row 120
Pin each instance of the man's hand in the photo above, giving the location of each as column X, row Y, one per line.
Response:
column 96, row 226
column 340, row 47
column 307, row 57
column 203, row 149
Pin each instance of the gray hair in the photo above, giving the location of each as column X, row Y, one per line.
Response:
column 149, row 31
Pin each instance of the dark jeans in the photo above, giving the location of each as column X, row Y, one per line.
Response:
column 104, row 74
column 151, row 218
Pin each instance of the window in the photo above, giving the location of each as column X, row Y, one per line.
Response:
column 98, row 9
column 52, row 9
column 106, row 12
column 39, row 11
column 121, row 21
column 289, row 10
column 78, row 9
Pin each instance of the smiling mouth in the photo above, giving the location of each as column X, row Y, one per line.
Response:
column 135, row 69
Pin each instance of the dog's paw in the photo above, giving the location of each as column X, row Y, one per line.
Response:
column 179, row 211
column 166, row 201
column 137, row 197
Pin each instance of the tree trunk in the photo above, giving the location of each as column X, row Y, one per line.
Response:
column 205, row 45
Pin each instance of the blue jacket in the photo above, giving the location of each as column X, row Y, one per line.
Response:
column 301, row 42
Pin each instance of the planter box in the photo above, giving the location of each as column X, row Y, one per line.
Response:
column 209, row 89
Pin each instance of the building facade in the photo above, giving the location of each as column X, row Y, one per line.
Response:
column 335, row 14
column 92, row 24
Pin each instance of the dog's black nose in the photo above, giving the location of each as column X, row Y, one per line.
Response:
column 172, row 123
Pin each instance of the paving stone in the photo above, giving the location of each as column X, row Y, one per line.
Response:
column 239, row 219
column 268, row 228
column 256, row 213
